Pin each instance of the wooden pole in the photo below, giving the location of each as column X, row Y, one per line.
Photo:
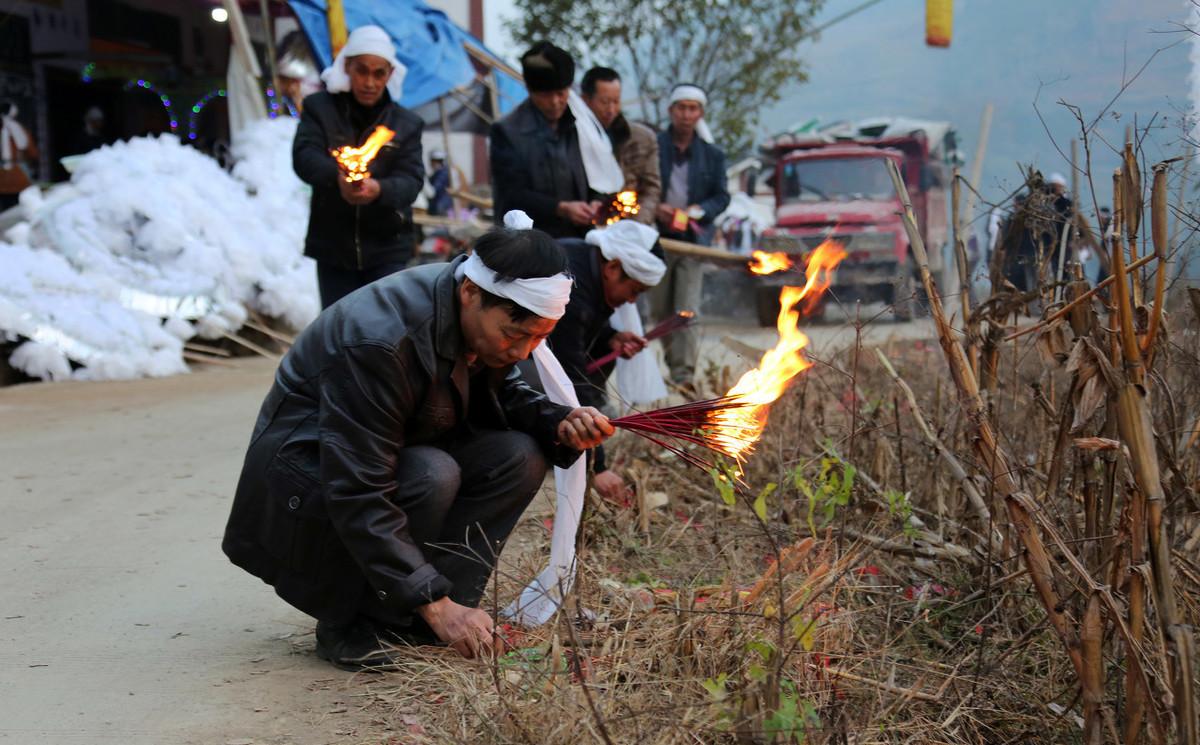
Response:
column 335, row 15
column 985, row 129
column 269, row 33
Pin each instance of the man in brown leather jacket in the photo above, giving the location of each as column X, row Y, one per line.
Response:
column 634, row 144
column 399, row 446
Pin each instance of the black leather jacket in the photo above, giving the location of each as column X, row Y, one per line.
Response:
column 352, row 236
column 382, row 369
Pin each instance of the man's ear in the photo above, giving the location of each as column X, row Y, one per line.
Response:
column 466, row 291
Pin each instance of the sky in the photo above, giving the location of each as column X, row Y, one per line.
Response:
column 1011, row 53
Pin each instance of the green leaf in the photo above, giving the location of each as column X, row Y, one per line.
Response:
column 760, row 502
column 716, row 687
column 724, row 486
column 764, row 649
column 805, row 631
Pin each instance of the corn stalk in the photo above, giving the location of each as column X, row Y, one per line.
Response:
column 1037, row 560
column 1133, row 421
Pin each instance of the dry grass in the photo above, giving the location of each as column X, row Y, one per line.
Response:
column 905, row 625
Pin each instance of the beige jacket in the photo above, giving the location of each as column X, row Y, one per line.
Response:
column 638, row 156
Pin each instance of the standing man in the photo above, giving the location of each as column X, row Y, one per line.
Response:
column 693, row 170
column 399, row 446
column 537, row 166
column 360, row 231
column 613, row 266
column 634, row 145
column 439, row 180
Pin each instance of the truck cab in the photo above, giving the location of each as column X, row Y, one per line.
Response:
column 841, row 190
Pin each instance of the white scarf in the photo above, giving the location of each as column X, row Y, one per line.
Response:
column 13, row 139
column 603, row 172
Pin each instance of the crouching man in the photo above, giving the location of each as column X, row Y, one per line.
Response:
column 611, row 266
column 398, row 447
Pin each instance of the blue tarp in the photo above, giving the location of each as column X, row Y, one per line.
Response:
column 428, row 43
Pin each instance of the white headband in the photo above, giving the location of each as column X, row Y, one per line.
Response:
column 365, row 40
column 688, row 93
column 545, row 296
column 630, row 242
column 693, row 93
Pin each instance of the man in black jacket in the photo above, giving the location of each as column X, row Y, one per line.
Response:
column 613, row 266
column 694, row 194
column 536, row 163
column 398, row 447
column 360, row 231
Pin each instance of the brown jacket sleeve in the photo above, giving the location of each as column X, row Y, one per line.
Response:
column 638, row 157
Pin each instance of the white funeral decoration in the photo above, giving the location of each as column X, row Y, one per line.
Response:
column 150, row 243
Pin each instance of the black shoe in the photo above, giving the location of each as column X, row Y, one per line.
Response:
column 354, row 646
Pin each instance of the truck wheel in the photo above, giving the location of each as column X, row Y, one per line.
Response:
column 907, row 297
column 767, row 305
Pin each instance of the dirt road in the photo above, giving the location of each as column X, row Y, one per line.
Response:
column 120, row 619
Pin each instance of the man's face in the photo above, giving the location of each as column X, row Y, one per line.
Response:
column 685, row 114
column 492, row 336
column 552, row 104
column 368, row 77
column 619, row 287
column 605, row 103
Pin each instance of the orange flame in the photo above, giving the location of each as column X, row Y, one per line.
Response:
column 624, row 204
column 738, row 428
column 769, row 263
column 354, row 160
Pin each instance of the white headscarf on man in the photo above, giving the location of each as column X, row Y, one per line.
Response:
column 365, row 40
column 688, row 92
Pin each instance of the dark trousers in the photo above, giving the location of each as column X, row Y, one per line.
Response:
column 335, row 282
column 462, row 502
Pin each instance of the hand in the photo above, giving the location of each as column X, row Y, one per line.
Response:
column 358, row 192
column 626, row 343
column 580, row 213
column 584, row 428
column 609, row 485
column 468, row 631
column 665, row 213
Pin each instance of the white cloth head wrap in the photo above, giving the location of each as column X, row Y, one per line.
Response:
column 545, row 296
column 365, row 40
column 630, row 242
column 693, row 93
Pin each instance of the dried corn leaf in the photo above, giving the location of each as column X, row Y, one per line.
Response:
column 1088, row 400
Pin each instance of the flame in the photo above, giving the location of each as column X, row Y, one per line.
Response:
column 624, row 204
column 737, row 428
column 769, row 263
column 354, row 160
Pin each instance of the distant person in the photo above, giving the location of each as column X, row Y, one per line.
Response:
column 17, row 152
column 635, row 145
column 93, row 135
column 439, row 180
column 537, row 166
column 362, row 231
column 695, row 193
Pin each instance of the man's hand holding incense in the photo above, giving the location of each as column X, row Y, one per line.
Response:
column 626, row 343
column 468, row 631
column 584, row 428
column 359, row 192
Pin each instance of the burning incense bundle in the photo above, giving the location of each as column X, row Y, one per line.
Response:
column 624, row 204
column 680, row 320
column 731, row 425
column 353, row 161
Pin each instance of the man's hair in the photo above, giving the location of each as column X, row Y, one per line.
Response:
column 597, row 75
column 518, row 254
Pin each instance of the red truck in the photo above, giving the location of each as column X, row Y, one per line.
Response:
column 837, row 186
